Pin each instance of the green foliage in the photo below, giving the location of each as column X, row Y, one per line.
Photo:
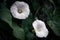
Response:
column 6, row 16
column 28, row 22
column 54, row 22
column 30, row 36
column 19, row 33
column 27, row 25
column 35, row 4
column 53, row 19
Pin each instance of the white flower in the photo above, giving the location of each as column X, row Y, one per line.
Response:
column 40, row 28
column 20, row 10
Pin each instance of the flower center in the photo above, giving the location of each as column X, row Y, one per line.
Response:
column 19, row 11
column 38, row 27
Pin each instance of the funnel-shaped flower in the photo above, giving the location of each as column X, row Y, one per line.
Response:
column 40, row 28
column 20, row 10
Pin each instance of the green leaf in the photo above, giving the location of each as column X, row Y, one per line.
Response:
column 18, row 32
column 54, row 22
column 30, row 36
column 6, row 16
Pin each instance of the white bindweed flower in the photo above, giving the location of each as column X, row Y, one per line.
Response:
column 20, row 10
column 40, row 28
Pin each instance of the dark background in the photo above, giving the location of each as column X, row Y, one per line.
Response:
column 6, row 31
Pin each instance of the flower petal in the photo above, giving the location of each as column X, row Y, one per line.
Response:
column 24, row 8
column 40, row 28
